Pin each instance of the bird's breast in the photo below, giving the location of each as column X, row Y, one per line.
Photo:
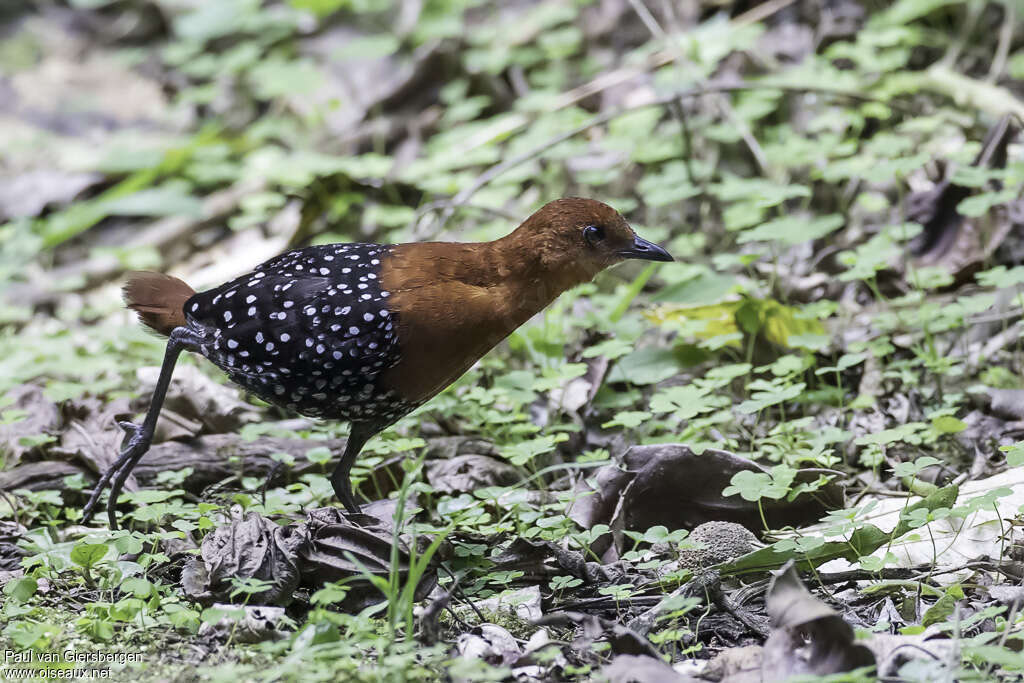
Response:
column 451, row 308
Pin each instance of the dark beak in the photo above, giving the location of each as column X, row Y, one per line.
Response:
column 647, row 251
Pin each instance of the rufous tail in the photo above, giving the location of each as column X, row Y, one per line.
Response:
column 158, row 299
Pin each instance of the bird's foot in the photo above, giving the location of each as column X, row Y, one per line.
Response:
column 133, row 436
column 135, row 442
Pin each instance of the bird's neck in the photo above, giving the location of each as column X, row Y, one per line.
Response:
column 539, row 272
column 520, row 276
column 457, row 301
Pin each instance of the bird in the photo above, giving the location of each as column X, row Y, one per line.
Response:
column 366, row 333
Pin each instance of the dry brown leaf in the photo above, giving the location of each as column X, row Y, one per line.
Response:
column 41, row 416
column 249, row 547
column 808, row 637
column 640, row 669
column 671, row 486
column 467, row 473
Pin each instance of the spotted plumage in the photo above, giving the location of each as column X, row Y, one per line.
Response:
column 309, row 330
column 367, row 332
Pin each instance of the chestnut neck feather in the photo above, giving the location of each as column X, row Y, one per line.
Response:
column 457, row 301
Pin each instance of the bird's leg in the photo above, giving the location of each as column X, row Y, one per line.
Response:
column 361, row 433
column 266, row 482
column 139, row 436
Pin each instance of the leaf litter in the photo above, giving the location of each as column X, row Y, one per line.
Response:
column 812, row 388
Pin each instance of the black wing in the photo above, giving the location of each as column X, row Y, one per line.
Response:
column 309, row 329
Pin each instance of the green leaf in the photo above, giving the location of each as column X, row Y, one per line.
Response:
column 754, row 486
column 940, row 611
column 630, row 419
column 523, row 452
column 645, row 366
column 88, row 554
column 368, row 47
column 911, row 469
column 1001, row 277
column 903, row 12
column 609, row 348
column 908, row 433
column 947, row 424
column 31, row 441
column 1014, row 454
column 330, row 594
column 864, row 540
column 848, row 360
column 790, row 230
column 149, row 496
column 128, row 545
column 706, row 288
column 1001, row 657
column 138, row 587
column 759, row 400
column 181, row 617
column 21, row 590
column 170, row 199
column 980, row 204
column 760, row 192
column 278, row 77
column 36, row 636
column 684, row 402
column 320, row 455
column 214, row 19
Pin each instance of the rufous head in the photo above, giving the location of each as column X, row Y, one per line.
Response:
column 583, row 235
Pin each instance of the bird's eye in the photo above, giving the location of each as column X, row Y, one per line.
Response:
column 593, row 234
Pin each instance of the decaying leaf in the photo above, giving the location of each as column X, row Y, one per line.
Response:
column 10, row 553
column 37, row 476
column 91, row 435
column 949, row 237
column 466, row 473
column 489, row 642
column 679, row 489
column 89, row 439
column 348, row 547
column 209, row 459
column 524, row 603
column 197, row 397
column 328, row 546
column 543, row 559
column 671, row 486
column 38, row 416
column 249, row 547
column 461, row 458
column 384, row 509
column 30, row 193
column 704, row 586
column 597, row 504
column 1008, row 595
column 623, row 640
column 947, row 543
column 736, row 665
column 640, row 669
column 1005, row 403
column 808, row 636
column 893, row 651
